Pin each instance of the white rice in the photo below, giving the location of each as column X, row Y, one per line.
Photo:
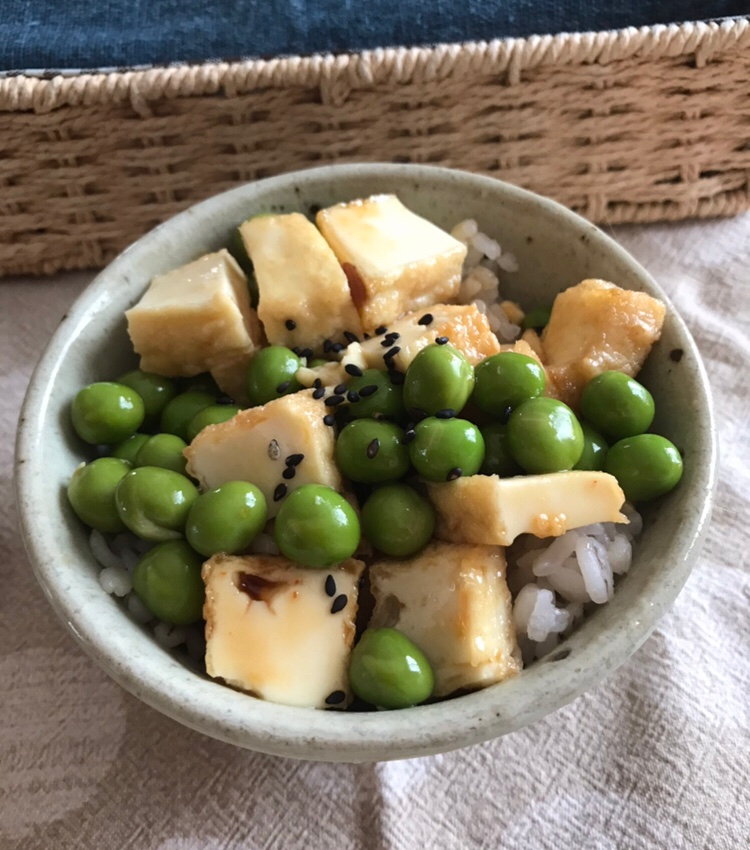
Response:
column 264, row 544
column 168, row 635
column 118, row 556
column 485, row 262
column 552, row 583
column 116, row 581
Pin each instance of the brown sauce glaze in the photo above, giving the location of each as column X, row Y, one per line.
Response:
column 356, row 286
column 257, row 588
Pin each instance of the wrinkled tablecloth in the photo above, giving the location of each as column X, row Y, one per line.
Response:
column 657, row 756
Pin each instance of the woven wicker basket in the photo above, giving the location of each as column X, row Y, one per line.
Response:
column 633, row 125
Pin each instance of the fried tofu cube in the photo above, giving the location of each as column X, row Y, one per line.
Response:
column 304, row 295
column 494, row 511
column 397, row 261
column 466, row 329
column 195, row 318
column 231, row 376
column 253, row 445
column 272, row 629
column 596, row 327
column 453, row 602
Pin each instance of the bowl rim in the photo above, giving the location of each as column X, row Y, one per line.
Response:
column 322, row 735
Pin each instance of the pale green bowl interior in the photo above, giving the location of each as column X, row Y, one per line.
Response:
column 555, row 249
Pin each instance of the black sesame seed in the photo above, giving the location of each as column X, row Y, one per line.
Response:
column 397, row 378
column 329, row 419
column 426, row 319
column 306, row 352
column 352, row 397
column 676, row 354
column 441, row 340
column 505, row 416
column 289, row 473
column 290, row 324
column 333, row 400
column 353, row 370
column 418, row 413
column 319, row 392
column 294, row 460
column 279, row 492
column 317, row 383
column 335, row 698
column 408, row 437
column 369, row 390
column 330, row 585
column 337, row 348
column 394, row 335
column 366, row 336
column 381, row 330
column 297, row 350
column 339, row 389
column 339, row 603
column 283, row 386
column 456, row 472
column 387, row 341
column 350, row 337
column 274, row 452
column 391, row 353
column 445, row 413
column 373, row 448
column 327, row 345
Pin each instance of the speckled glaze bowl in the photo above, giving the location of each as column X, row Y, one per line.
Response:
column 555, row 249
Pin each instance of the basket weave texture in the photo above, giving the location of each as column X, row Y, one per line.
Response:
column 630, row 125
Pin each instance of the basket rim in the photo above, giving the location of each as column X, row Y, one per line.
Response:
column 339, row 74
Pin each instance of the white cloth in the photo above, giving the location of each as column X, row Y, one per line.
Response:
column 658, row 756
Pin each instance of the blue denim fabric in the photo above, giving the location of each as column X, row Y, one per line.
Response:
column 58, row 34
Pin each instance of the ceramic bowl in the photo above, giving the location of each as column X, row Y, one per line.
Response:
column 555, row 249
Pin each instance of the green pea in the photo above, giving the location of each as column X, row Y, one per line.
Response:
column 438, row 378
column 155, row 390
column 271, row 374
column 176, row 416
column 617, row 405
column 389, row 671
column 397, row 520
column 505, row 380
column 317, row 362
column 386, row 401
column 497, row 457
column 444, row 449
column 154, row 503
column 91, row 493
column 536, row 319
column 594, row 449
column 204, row 382
column 226, row 519
column 214, row 414
column 645, row 466
column 545, row 436
column 106, row 412
column 316, row 527
column 167, row 580
column 371, row 452
column 238, row 250
column 165, row 451
column 128, row 448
